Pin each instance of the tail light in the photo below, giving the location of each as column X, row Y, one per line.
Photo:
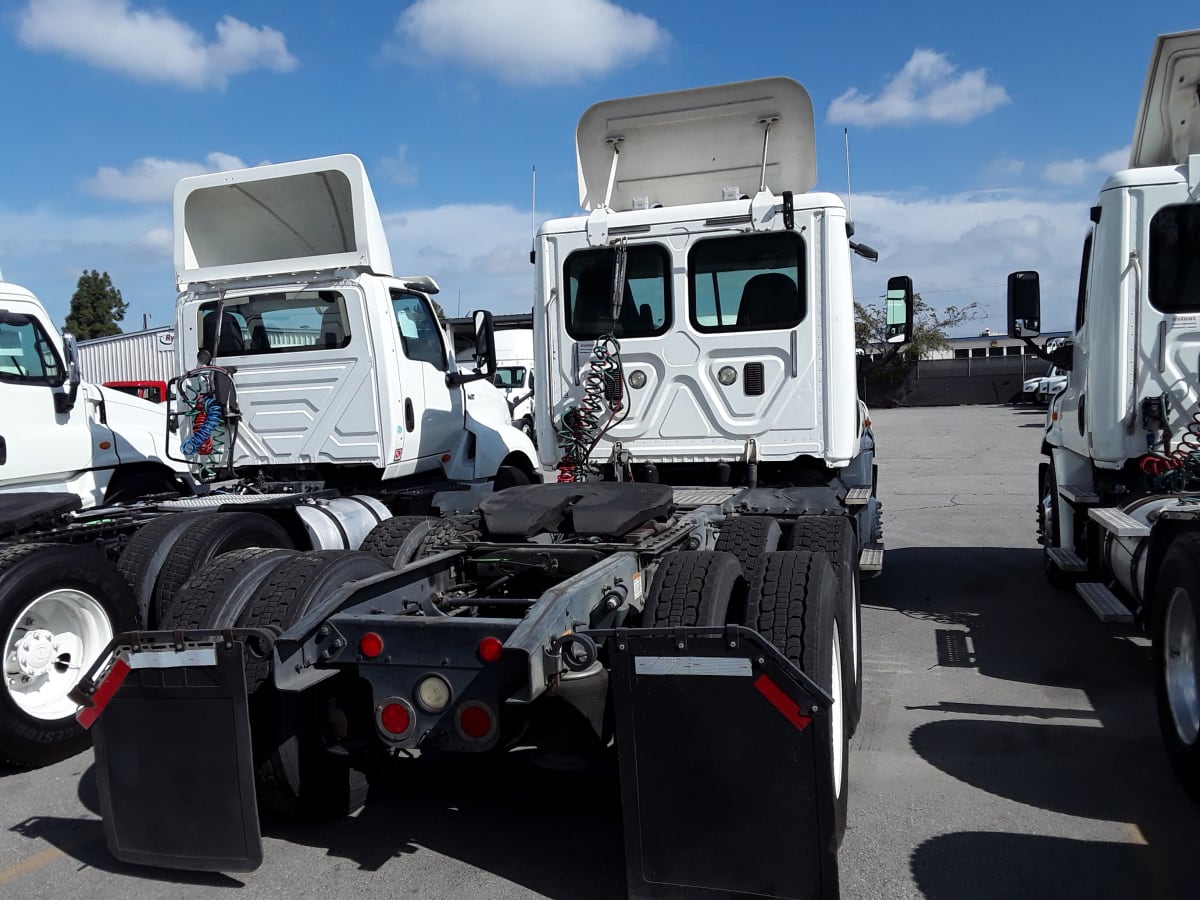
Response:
column 370, row 645
column 395, row 718
column 476, row 722
column 489, row 649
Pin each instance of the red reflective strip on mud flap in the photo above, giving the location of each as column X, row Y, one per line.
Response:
column 104, row 693
column 782, row 702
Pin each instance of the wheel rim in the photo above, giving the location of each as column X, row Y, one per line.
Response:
column 1179, row 665
column 837, row 725
column 51, row 644
column 856, row 645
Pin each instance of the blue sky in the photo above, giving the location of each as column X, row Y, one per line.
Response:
column 979, row 133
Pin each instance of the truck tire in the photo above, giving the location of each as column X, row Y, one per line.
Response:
column 692, row 587
column 1176, row 639
column 208, row 536
column 397, row 540
column 144, row 556
column 836, row 538
column 216, row 596
column 450, row 530
column 748, row 538
column 60, row 605
column 1048, row 530
column 296, row 774
column 793, row 603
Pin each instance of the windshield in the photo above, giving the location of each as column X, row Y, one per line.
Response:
column 26, row 354
column 509, row 377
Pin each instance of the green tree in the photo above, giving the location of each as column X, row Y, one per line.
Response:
column 437, row 310
column 96, row 307
column 930, row 326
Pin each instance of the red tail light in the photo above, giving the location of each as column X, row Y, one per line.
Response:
column 476, row 721
column 395, row 718
column 370, row 645
column 489, row 649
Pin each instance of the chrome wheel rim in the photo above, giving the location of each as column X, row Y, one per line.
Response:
column 1179, row 665
column 837, row 723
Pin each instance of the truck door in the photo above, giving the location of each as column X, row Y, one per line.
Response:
column 433, row 410
column 39, row 446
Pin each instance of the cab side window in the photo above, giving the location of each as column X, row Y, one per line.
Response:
column 420, row 333
column 26, row 354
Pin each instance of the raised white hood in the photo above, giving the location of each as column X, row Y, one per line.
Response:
column 685, row 146
column 271, row 220
column 1168, row 123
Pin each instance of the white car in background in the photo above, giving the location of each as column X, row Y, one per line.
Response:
column 1053, row 382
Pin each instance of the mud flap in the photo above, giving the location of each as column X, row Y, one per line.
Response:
column 724, row 755
column 173, row 758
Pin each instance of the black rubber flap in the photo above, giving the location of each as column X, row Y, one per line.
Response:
column 724, row 787
column 21, row 511
column 605, row 509
column 174, row 767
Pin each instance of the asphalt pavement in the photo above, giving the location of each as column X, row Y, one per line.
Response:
column 1008, row 745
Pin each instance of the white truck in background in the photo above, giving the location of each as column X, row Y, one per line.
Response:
column 515, row 374
column 318, row 399
column 1119, row 495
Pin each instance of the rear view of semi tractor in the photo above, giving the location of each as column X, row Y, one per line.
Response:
column 683, row 599
column 1119, row 495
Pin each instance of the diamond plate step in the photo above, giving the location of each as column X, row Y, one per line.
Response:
column 692, row 497
column 1117, row 523
column 870, row 559
column 1066, row 560
column 1104, row 603
column 858, row 496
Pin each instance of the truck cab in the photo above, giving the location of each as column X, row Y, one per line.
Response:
column 342, row 371
column 61, row 434
column 724, row 284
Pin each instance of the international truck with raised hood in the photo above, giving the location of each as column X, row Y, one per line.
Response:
column 681, row 604
column 1119, row 492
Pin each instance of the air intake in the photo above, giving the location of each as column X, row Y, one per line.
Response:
column 752, row 379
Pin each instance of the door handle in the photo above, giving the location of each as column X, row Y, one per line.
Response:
column 3, row 452
column 410, row 421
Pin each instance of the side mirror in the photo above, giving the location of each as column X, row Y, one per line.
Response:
column 64, row 403
column 1024, row 305
column 485, row 351
column 898, row 312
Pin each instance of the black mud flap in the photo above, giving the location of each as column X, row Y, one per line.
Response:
column 173, row 755
column 724, row 756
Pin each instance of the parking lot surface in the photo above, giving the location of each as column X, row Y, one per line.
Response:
column 1008, row 745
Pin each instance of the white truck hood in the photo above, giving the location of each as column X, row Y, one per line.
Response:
column 1167, row 130
column 686, row 146
column 139, row 427
column 302, row 216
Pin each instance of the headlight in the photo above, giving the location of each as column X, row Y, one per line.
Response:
column 727, row 375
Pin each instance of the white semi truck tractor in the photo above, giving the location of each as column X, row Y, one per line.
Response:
column 1119, row 493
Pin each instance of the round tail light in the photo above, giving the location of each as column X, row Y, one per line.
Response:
column 395, row 717
column 489, row 649
column 370, row 645
column 476, row 721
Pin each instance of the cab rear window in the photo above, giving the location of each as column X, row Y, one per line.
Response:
column 644, row 309
column 749, row 282
column 1173, row 276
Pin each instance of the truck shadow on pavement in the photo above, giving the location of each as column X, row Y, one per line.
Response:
column 1082, row 741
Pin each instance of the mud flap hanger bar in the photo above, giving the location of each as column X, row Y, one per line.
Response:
column 725, row 759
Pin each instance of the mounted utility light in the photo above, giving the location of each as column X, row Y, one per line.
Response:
column 433, row 693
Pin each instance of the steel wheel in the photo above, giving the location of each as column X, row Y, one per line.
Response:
column 1179, row 666
column 54, row 639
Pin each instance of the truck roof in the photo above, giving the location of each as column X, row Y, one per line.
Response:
column 688, row 146
column 307, row 215
column 1167, row 130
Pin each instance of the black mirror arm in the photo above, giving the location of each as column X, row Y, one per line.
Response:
column 1060, row 356
column 456, row 378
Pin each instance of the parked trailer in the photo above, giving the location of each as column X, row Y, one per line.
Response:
column 1119, row 496
column 328, row 403
column 687, row 591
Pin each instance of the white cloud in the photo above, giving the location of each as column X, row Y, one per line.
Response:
column 1005, row 168
column 149, row 44
column 151, row 180
column 928, row 89
column 1081, row 171
column 481, row 250
column 959, row 249
column 397, row 169
column 529, row 41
